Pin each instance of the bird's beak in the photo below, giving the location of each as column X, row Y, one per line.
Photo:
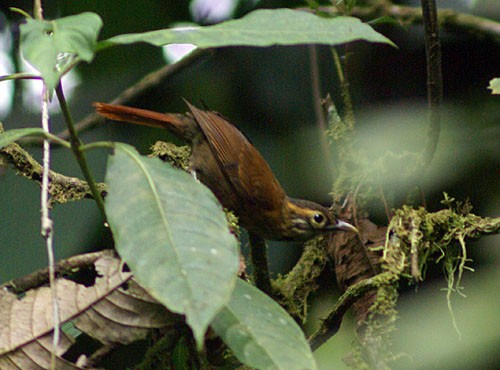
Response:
column 341, row 225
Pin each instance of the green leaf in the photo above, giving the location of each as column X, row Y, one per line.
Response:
column 261, row 333
column 172, row 232
column 10, row 136
column 264, row 27
column 495, row 86
column 51, row 46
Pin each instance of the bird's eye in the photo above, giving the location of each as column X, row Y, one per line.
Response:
column 318, row 220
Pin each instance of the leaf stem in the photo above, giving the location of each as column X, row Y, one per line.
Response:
column 76, row 145
column 57, row 140
column 20, row 76
column 98, row 144
column 20, row 11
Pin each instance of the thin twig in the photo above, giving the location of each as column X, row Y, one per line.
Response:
column 258, row 255
column 388, row 211
column 349, row 119
column 434, row 77
column 80, row 156
column 318, row 109
column 46, row 227
column 20, row 76
column 46, row 222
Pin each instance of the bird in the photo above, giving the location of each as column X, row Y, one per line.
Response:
column 225, row 161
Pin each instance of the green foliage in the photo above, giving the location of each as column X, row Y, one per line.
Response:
column 261, row 333
column 173, row 234
column 263, row 27
column 51, row 46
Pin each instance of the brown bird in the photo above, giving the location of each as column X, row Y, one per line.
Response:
column 224, row 160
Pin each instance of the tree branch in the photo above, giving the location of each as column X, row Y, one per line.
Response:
column 449, row 19
column 66, row 266
column 294, row 289
column 331, row 323
column 62, row 188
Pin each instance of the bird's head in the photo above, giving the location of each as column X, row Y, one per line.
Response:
column 306, row 219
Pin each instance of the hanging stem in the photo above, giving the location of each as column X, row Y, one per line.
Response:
column 46, row 227
column 434, row 77
column 318, row 109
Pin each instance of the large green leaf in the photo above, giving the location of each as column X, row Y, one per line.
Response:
column 263, row 27
column 49, row 46
column 173, row 234
column 261, row 333
column 10, row 136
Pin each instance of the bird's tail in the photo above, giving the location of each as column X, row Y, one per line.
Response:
column 183, row 126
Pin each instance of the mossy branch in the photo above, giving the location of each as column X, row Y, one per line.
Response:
column 62, row 188
column 331, row 323
column 294, row 289
column 414, row 238
column 449, row 19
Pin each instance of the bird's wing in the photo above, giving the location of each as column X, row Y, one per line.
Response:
column 241, row 162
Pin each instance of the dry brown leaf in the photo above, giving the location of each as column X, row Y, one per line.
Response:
column 36, row 355
column 114, row 310
column 123, row 317
column 29, row 317
column 355, row 261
